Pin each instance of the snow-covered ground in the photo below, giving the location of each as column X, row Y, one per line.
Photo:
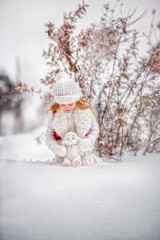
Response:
column 40, row 200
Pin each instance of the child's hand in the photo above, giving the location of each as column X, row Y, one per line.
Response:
column 64, row 144
column 85, row 144
column 58, row 149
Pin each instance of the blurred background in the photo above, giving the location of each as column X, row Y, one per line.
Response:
column 22, row 41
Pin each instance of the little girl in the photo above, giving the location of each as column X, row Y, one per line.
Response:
column 70, row 113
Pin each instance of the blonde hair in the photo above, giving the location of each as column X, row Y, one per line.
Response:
column 81, row 104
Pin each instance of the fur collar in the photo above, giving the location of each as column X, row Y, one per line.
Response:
column 82, row 119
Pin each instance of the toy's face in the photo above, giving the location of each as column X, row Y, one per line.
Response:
column 70, row 139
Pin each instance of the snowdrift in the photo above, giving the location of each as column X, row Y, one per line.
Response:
column 44, row 201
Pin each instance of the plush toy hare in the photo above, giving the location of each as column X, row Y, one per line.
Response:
column 72, row 157
column 77, row 154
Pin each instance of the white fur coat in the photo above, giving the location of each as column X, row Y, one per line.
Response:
column 82, row 120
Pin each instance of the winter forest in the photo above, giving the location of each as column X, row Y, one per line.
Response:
column 112, row 50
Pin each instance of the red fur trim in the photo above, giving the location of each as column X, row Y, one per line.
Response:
column 88, row 133
column 56, row 136
column 54, row 112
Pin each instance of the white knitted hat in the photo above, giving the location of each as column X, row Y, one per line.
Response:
column 65, row 90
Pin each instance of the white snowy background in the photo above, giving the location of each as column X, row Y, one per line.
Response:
column 40, row 200
column 23, row 32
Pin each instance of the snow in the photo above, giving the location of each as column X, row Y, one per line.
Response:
column 24, row 146
column 42, row 200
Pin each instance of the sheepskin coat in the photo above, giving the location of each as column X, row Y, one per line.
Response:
column 82, row 122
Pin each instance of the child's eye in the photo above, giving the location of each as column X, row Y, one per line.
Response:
column 72, row 137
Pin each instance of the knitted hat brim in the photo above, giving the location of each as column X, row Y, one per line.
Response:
column 67, row 99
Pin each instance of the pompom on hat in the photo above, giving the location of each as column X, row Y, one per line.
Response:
column 66, row 90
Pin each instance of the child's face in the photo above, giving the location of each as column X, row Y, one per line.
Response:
column 68, row 107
